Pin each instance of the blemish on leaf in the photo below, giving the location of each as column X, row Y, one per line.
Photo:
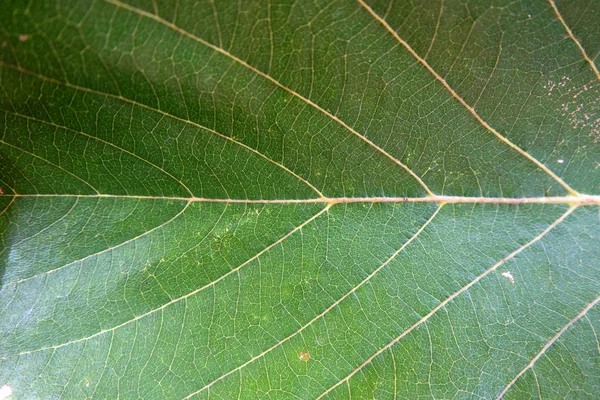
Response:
column 582, row 113
column 23, row 38
column 509, row 276
column 4, row 44
column 560, row 161
column 5, row 392
column 304, row 356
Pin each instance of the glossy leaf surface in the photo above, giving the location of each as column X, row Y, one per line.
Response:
column 299, row 199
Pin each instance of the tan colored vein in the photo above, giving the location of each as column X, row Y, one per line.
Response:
column 10, row 203
column 580, row 200
column 465, row 104
column 549, row 344
column 572, row 36
column 272, row 80
column 51, row 163
column 450, row 298
column 99, row 252
column 332, row 306
column 178, row 299
column 437, row 26
column 41, row 121
column 187, row 121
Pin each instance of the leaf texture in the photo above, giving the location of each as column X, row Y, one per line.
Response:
column 310, row 199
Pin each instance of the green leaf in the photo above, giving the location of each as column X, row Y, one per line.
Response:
column 309, row 199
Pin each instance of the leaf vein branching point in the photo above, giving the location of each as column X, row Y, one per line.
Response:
column 450, row 298
column 471, row 110
column 274, row 81
column 549, row 344
column 572, row 36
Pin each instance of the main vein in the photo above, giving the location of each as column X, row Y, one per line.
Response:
column 577, row 200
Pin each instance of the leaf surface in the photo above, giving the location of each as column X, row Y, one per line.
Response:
column 328, row 199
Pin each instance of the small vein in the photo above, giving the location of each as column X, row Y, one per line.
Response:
column 51, row 163
column 187, row 121
column 8, row 206
column 102, row 141
column 572, row 36
column 322, row 314
column 98, row 252
column 272, row 80
column 44, row 229
column 450, row 298
column 549, row 344
column 437, row 26
column 178, row 299
column 471, row 110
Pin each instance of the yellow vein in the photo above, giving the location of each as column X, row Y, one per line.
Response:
column 437, row 26
column 178, row 299
column 166, row 114
column 8, row 206
column 450, row 298
column 464, row 103
column 41, row 121
column 579, row 200
column 549, row 344
column 51, row 163
column 332, row 306
column 572, row 36
column 99, row 252
column 272, row 80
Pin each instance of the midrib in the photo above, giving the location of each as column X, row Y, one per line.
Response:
column 579, row 200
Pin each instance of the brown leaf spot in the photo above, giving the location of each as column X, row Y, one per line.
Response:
column 23, row 38
column 304, row 356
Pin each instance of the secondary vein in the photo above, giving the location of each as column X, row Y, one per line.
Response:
column 471, row 110
column 272, row 80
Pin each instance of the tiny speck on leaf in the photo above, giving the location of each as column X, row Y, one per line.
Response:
column 560, row 161
column 4, row 44
column 23, row 38
column 5, row 392
column 509, row 276
column 304, row 356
